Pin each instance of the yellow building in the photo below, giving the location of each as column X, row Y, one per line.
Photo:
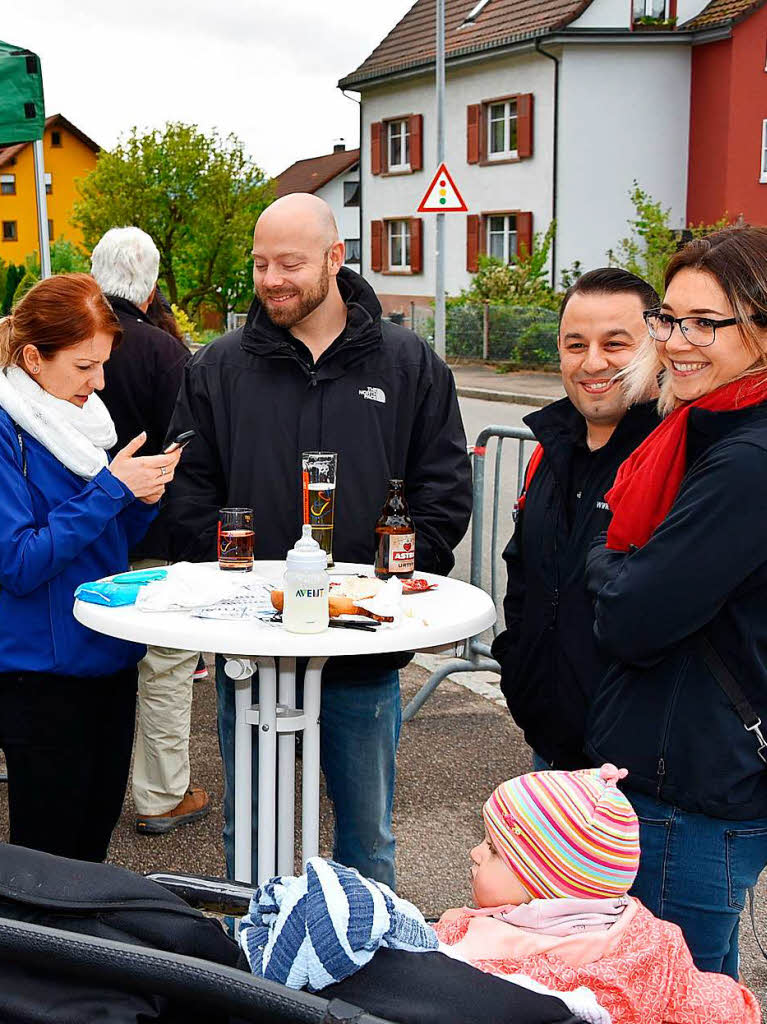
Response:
column 68, row 154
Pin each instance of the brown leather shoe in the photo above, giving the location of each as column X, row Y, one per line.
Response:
column 195, row 805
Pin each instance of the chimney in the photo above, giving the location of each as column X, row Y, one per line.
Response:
column 339, row 145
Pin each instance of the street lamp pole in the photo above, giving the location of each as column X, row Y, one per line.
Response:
column 42, row 210
column 439, row 297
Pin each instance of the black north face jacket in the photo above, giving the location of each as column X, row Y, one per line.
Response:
column 378, row 396
column 550, row 662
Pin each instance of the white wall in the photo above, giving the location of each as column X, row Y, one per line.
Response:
column 686, row 10
column 624, row 115
column 347, row 217
column 526, row 185
column 605, row 14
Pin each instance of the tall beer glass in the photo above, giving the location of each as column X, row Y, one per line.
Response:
column 318, row 470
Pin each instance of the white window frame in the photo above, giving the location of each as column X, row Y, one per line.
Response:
column 401, row 229
column 48, row 183
column 763, row 175
column 507, row 153
column 510, row 251
column 8, row 179
column 358, row 259
column 644, row 9
column 474, row 13
column 401, row 128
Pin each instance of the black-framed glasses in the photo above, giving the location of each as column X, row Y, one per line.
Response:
column 698, row 330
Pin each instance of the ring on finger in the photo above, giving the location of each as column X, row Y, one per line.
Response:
column 163, row 470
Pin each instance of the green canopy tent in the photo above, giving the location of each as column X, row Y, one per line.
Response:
column 22, row 119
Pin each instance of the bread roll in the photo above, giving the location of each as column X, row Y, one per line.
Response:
column 336, row 606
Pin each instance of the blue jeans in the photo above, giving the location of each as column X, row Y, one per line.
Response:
column 696, row 871
column 359, row 732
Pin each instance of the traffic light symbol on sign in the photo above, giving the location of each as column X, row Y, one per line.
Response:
column 442, row 196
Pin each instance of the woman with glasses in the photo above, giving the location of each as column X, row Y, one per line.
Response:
column 681, row 598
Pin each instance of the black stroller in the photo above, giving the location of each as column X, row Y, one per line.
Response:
column 86, row 942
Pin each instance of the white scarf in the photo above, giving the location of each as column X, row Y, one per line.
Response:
column 78, row 438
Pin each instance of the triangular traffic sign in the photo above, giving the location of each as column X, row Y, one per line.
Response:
column 442, row 196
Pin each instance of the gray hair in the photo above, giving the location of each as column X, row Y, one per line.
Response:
column 125, row 262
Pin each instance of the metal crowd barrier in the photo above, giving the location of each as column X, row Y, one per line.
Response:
column 477, row 657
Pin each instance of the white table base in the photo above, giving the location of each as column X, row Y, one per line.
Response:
column 277, row 725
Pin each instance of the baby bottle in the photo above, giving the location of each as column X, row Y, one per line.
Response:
column 306, row 586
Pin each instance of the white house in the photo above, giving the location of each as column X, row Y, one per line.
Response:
column 553, row 109
column 334, row 177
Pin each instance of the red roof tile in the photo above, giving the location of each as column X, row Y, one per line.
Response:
column 7, row 153
column 309, row 175
column 719, row 12
column 412, row 41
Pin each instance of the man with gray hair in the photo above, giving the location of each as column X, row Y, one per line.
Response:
column 142, row 379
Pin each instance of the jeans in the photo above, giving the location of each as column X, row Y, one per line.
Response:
column 359, row 732
column 695, row 871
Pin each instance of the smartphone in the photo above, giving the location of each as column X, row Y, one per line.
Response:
column 179, row 441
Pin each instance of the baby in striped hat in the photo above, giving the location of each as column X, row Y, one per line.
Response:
column 550, row 882
column 552, row 835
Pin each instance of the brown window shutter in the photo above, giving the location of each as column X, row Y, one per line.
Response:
column 376, row 131
column 525, row 125
column 416, row 245
column 416, row 142
column 473, row 242
column 376, row 244
column 473, row 132
column 524, row 233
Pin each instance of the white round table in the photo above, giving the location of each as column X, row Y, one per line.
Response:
column 454, row 611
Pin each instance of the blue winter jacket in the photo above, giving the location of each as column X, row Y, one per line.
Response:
column 56, row 532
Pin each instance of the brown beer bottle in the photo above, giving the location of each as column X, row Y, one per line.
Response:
column 395, row 536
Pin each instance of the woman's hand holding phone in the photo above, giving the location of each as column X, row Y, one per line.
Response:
column 146, row 476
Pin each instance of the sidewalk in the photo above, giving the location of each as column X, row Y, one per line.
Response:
column 480, row 381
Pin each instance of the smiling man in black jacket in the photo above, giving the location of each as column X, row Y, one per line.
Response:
column 316, row 368
column 550, row 663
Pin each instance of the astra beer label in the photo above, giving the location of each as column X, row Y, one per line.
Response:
column 401, row 552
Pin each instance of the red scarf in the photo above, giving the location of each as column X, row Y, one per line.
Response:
column 647, row 483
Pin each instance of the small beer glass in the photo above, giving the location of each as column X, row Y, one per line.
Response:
column 318, row 471
column 235, row 539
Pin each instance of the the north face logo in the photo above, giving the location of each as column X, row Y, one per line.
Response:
column 374, row 394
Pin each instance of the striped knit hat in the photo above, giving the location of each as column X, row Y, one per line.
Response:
column 566, row 833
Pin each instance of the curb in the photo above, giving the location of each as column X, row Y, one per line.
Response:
column 513, row 397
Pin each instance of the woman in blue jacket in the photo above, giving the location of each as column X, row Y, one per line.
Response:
column 67, row 695
column 681, row 598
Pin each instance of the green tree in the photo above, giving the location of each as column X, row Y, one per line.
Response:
column 525, row 282
column 197, row 195
column 652, row 241
column 66, row 258
column 13, row 275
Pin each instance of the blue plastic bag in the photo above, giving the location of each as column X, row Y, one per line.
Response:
column 111, row 594
column 121, row 590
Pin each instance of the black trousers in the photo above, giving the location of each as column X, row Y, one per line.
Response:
column 67, row 744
